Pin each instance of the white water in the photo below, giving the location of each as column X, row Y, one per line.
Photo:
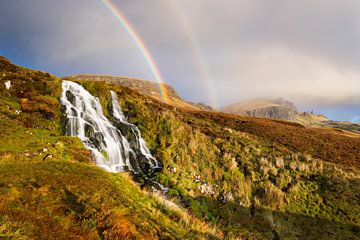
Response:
column 112, row 150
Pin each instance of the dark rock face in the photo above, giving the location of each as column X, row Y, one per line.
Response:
column 270, row 108
column 274, row 112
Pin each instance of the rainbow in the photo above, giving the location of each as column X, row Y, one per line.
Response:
column 140, row 44
column 196, row 49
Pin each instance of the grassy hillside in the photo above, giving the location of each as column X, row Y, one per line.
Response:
column 238, row 177
column 255, row 178
column 50, row 190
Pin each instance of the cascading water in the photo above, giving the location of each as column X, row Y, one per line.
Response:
column 140, row 157
column 117, row 146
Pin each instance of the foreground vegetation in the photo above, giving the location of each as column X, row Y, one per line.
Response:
column 231, row 177
column 50, row 190
column 255, row 178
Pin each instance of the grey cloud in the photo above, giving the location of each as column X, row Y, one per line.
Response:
column 71, row 36
column 307, row 51
column 248, row 43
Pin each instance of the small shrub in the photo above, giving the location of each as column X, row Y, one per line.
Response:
column 274, row 197
column 279, row 162
column 293, row 165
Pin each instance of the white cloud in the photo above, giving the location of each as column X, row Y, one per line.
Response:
column 307, row 51
column 278, row 71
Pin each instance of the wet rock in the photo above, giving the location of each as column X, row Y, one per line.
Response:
column 70, row 97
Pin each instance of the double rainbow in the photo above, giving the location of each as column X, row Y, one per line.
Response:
column 192, row 40
column 196, row 51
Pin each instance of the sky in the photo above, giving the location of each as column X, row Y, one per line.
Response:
column 210, row 51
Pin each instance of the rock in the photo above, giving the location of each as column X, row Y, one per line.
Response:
column 60, row 144
column 263, row 108
column 70, row 97
column 8, row 84
column 207, row 189
column 28, row 154
column 226, row 197
column 173, row 169
column 47, row 156
column 197, row 178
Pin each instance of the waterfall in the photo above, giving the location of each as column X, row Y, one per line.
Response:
column 117, row 145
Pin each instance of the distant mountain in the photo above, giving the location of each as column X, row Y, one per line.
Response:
column 285, row 110
column 263, row 108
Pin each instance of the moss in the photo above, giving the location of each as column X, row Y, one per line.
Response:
column 105, row 154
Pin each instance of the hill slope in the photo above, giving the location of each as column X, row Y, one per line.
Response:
column 49, row 187
column 238, row 177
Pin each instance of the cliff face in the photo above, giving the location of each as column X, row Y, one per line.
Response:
column 274, row 109
column 274, row 112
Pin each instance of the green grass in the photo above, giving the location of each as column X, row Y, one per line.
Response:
column 48, row 183
column 231, row 162
column 49, row 188
column 66, row 200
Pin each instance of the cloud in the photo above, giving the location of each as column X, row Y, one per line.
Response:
column 278, row 71
column 303, row 50
column 70, row 36
column 307, row 51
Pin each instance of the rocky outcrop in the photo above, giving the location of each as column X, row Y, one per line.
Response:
column 275, row 112
column 269, row 108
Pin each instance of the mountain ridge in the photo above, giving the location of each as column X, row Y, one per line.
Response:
column 149, row 88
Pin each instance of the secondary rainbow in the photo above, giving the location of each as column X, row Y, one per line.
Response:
column 197, row 51
column 140, row 44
